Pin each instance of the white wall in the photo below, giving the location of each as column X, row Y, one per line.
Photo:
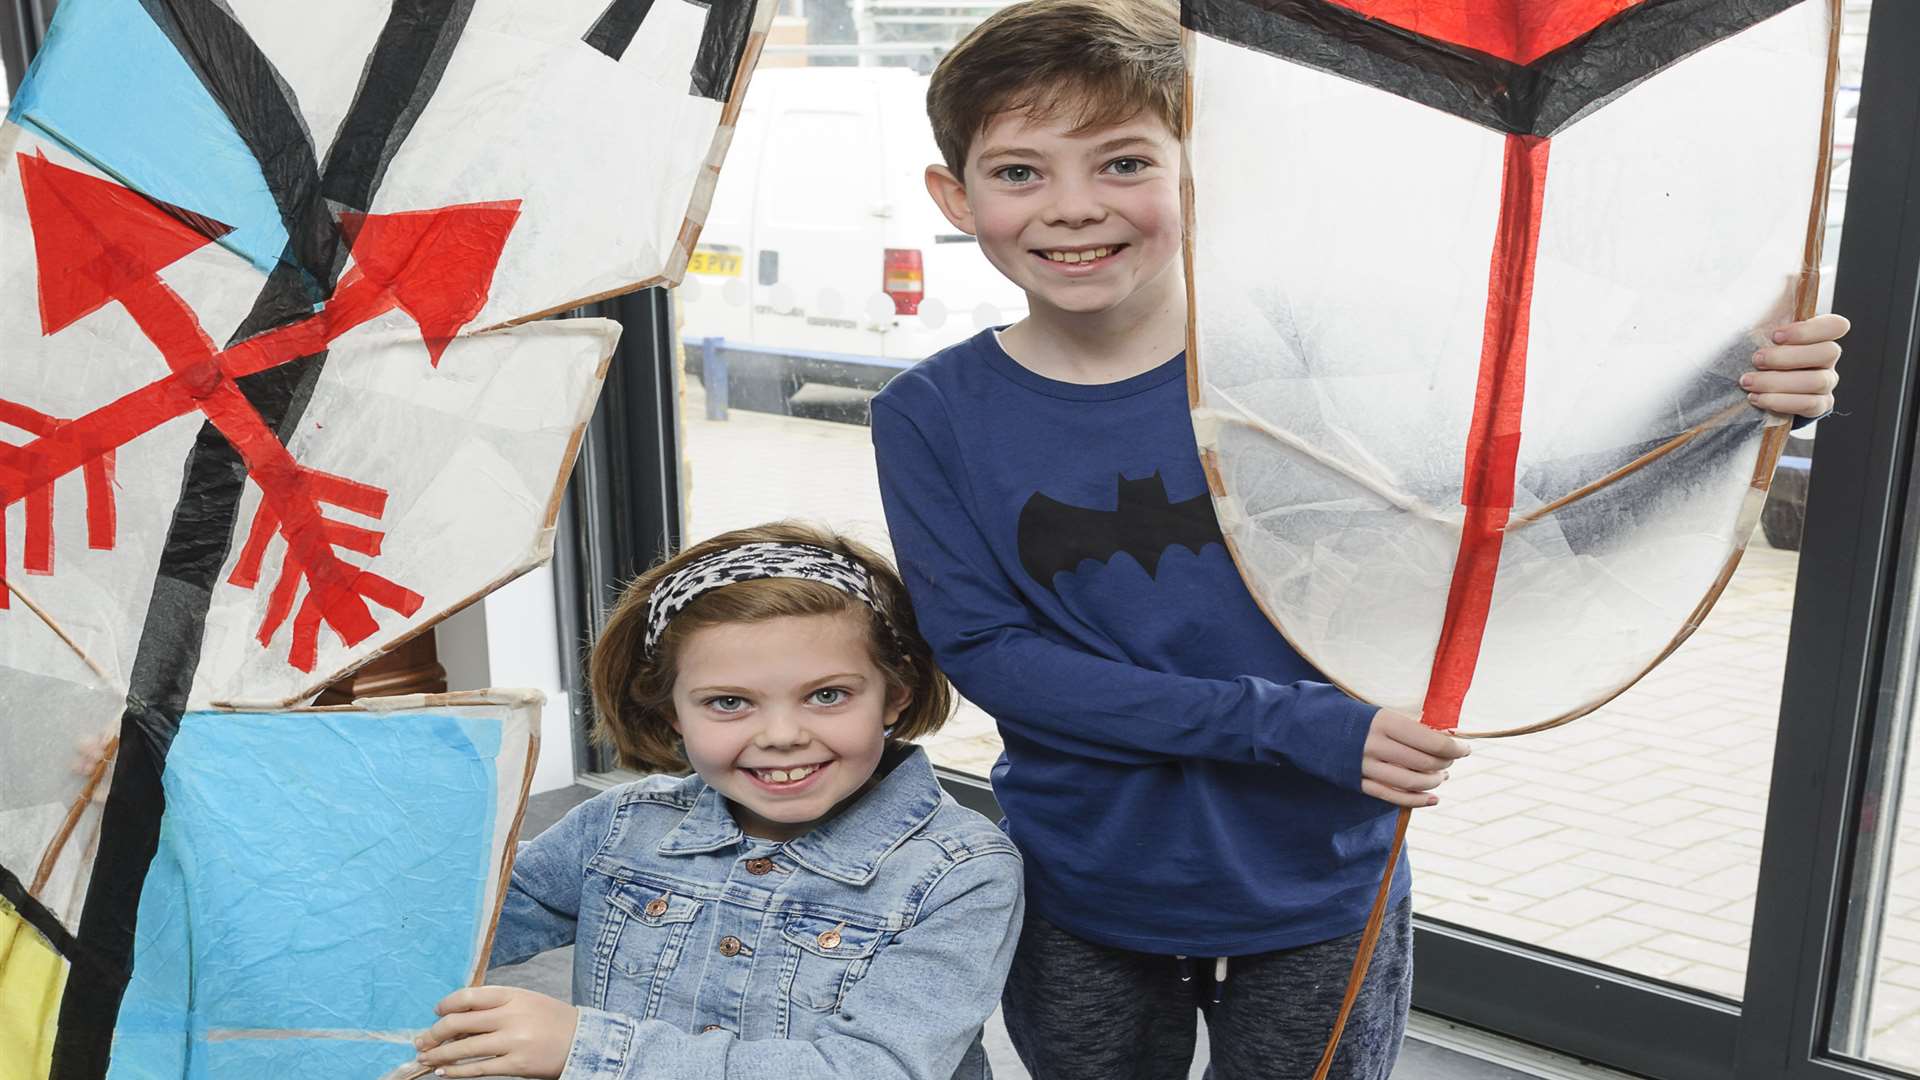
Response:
column 512, row 638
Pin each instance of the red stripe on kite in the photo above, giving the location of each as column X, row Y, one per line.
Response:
column 1493, row 441
column 1519, row 31
column 30, row 420
column 38, row 556
column 246, row 569
column 102, row 519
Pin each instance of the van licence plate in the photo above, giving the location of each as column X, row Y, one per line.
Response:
column 717, row 263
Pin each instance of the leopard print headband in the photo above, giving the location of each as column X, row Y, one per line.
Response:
column 752, row 562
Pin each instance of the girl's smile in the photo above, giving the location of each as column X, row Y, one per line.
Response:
column 787, row 780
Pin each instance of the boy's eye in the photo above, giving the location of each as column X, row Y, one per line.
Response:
column 829, row 696
column 1015, row 174
column 1128, row 166
column 726, row 703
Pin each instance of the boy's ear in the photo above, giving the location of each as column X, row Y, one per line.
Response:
column 950, row 195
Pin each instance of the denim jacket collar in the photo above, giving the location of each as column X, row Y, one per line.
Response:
column 847, row 847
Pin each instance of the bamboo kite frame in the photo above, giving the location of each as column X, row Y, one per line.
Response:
column 1806, row 298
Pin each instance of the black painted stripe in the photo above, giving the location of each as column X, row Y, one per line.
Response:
column 1541, row 98
column 722, row 42
column 265, row 113
column 37, row 916
column 401, row 75
column 723, row 39
column 613, row 31
column 406, row 64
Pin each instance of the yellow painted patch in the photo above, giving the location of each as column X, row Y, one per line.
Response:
column 31, row 978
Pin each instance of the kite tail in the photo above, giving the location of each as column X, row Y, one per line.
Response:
column 1368, row 939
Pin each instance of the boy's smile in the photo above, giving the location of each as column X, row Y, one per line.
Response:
column 1087, row 223
column 1081, row 260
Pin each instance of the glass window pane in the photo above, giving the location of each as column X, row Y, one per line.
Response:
column 1631, row 837
column 823, row 270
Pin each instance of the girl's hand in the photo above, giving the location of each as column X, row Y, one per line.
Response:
column 1405, row 759
column 1795, row 375
column 499, row 1031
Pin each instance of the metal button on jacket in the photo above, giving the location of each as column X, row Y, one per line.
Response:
column 656, row 907
column 829, row 939
column 711, row 1027
column 729, row 946
column 759, row 866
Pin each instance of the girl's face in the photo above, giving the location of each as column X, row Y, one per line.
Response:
column 783, row 717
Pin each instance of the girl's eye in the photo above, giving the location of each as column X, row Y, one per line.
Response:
column 1015, row 174
column 1128, row 166
column 829, row 696
column 726, row 703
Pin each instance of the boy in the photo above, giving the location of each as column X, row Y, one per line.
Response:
column 1183, row 785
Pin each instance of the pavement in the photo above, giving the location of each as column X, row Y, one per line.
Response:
column 1630, row 837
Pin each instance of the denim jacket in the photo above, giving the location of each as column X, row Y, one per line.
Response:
column 872, row 947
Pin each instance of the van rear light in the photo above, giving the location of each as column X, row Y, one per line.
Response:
column 903, row 279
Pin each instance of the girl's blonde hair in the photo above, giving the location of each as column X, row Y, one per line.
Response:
column 633, row 691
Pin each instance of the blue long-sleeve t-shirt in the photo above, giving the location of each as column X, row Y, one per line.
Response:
column 1177, row 777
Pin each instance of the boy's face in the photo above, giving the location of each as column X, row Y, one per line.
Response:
column 1082, row 222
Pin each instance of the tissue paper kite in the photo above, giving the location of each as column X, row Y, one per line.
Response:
column 271, row 403
column 239, row 973
column 1473, row 284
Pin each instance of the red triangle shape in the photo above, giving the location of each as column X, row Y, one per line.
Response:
column 436, row 264
column 1519, row 31
column 93, row 238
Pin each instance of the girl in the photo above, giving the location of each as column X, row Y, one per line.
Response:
column 808, row 903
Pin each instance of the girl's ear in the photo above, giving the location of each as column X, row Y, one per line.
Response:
column 950, row 195
column 898, row 698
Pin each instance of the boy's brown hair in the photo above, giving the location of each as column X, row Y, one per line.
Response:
column 633, row 691
column 1094, row 62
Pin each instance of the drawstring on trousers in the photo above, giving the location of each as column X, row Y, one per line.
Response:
column 1185, row 966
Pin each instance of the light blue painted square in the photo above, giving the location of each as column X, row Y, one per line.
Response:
column 316, row 872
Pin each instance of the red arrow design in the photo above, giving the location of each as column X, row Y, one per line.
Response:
column 97, row 242
column 97, row 476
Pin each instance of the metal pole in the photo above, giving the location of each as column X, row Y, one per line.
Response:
column 713, row 374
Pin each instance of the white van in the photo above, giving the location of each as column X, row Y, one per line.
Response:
column 822, row 259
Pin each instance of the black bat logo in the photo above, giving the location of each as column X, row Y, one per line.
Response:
column 1056, row 538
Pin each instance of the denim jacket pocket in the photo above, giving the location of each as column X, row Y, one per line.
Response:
column 825, row 957
column 648, row 933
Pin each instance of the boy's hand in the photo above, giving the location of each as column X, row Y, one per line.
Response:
column 1405, row 759
column 499, row 1031
column 1795, row 375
